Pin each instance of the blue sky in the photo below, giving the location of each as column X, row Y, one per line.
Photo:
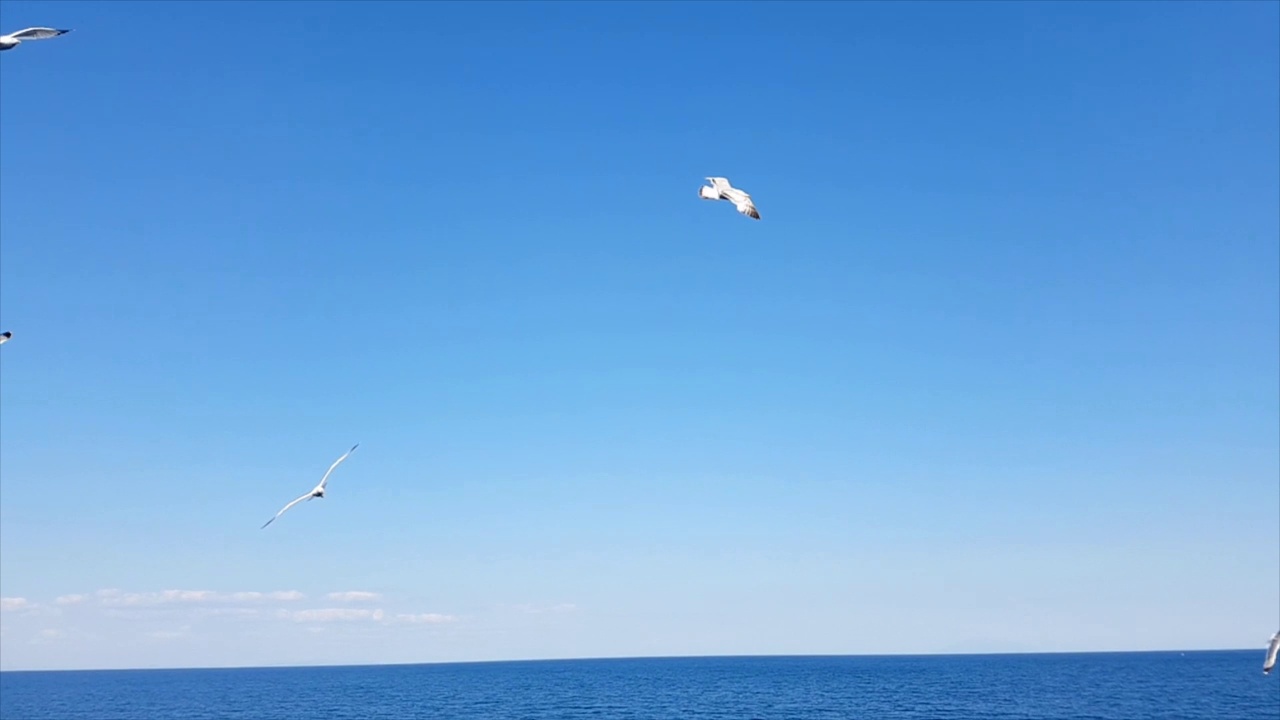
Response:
column 998, row 370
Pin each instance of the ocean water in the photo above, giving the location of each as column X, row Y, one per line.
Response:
column 1227, row 685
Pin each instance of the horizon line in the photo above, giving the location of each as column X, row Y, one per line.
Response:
column 605, row 658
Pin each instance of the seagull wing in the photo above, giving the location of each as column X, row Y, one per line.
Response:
column 286, row 507
column 708, row 193
column 38, row 33
column 4, row 337
column 1272, row 650
column 742, row 201
column 720, row 183
column 335, row 464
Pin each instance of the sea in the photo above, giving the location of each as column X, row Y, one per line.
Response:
column 1219, row 685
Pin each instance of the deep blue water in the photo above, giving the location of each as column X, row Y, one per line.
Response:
column 1227, row 685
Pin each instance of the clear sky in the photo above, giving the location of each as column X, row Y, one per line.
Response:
column 998, row 370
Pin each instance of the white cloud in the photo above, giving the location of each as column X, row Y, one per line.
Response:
column 176, row 606
column 354, row 596
column 426, row 618
column 281, row 595
column 49, row 636
column 116, row 598
column 324, row 615
column 331, row 615
column 14, row 604
column 227, row 612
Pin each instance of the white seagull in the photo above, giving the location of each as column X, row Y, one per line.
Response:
column 720, row 189
column 317, row 491
column 4, row 337
column 13, row 40
column 1272, row 649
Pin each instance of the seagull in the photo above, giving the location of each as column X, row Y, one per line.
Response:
column 1272, row 649
column 720, row 189
column 317, row 491
column 13, row 40
column 4, row 337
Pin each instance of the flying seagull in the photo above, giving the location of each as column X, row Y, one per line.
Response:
column 4, row 337
column 1272, row 649
column 13, row 40
column 720, row 189
column 317, row 491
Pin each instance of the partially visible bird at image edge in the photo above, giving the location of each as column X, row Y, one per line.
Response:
column 13, row 40
column 1272, row 650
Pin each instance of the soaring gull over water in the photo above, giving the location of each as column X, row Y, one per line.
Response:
column 720, row 189
column 1272, row 649
column 317, row 491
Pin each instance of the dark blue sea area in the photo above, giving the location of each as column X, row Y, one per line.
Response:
column 1219, row 685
